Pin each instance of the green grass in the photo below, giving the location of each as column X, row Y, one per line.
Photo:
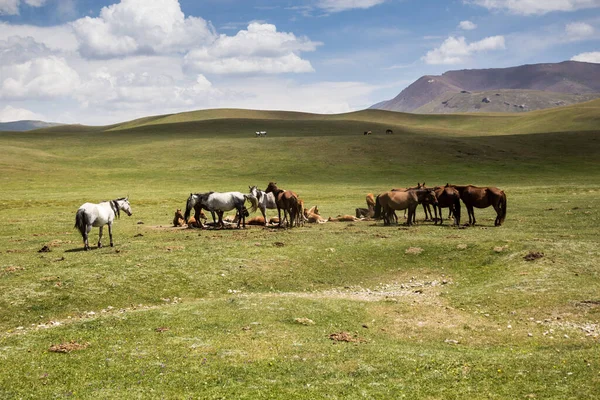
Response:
column 459, row 320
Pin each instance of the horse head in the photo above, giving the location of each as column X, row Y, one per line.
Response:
column 272, row 187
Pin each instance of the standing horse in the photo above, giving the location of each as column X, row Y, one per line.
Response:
column 265, row 200
column 483, row 197
column 388, row 202
column 286, row 200
column 97, row 215
column 449, row 197
column 221, row 202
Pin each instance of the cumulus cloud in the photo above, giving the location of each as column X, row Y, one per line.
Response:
column 531, row 7
column 578, row 30
column 59, row 38
column 456, row 50
column 591, row 57
column 140, row 27
column 42, row 77
column 10, row 113
column 259, row 49
column 467, row 25
column 11, row 7
column 343, row 5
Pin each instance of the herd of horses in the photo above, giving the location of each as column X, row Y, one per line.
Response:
column 291, row 211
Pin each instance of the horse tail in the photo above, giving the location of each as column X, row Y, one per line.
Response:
column 188, row 210
column 377, row 208
column 456, row 210
column 81, row 221
column 502, row 208
column 253, row 201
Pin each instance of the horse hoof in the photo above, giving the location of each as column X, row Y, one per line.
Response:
column 112, row 245
column 99, row 245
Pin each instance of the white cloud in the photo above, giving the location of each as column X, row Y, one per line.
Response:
column 140, row 27
column 11, row 7
column 59, row 38
column 467, row 25
column 531, row 7
column 457, row 50
column 579, row 30
column 591, row 57
column 259, row 49
column 9, row 113
column 343, row 5
column 42, row 77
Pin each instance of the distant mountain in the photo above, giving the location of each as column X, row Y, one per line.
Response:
column 21, row 126
column 523, row 88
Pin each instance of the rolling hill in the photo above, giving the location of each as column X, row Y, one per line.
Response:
column 541, row 85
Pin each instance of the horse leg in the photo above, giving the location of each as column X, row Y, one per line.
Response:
column 498, row 213
column 100, row 237
column 264, row 214
column 110, row 235
column 471, row 215
column 86, row 233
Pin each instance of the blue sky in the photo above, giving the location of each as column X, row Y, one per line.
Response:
column 99, row 62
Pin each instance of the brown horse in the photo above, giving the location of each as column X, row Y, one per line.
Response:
column 425, row 204
column 178, row 219
column 343, row 218
column 483, row 197
column 447, row 197
column 286, row 200
column 369, row 211
column 388, row 202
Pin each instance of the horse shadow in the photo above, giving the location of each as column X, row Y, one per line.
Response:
column 80, row 249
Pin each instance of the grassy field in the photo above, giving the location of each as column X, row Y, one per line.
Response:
column 431, row 312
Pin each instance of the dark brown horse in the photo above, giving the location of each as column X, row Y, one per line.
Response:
column 483, row 197
column 286, row 200
column 447, row 197
column 426, row 204
column 388, row 202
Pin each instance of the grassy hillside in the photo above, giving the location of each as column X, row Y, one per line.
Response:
column 577, row 117
column 430, row 311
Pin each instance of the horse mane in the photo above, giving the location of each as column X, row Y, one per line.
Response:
column 115, row 207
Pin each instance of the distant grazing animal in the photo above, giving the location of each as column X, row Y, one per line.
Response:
column 447, row 196
column 286, row 200
column 389, row 132
column 369, row 211
column 343, row 218
column 367, row 133
column 178, row 220
column 221, row 202
column 97, row 215
column 483, row 197
column 265, row 200
column 386, row 203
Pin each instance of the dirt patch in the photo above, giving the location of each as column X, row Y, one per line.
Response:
column 68, row 347
column 533, row 255
column 346, row 337
column 278, row 244
column 413, row 250
column 161, row 329
column 12, row 268
column 304, row 321
column 44, row 249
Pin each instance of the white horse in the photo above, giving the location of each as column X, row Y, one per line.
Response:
column 220, row 202
column 265, row 200
column 97, row 215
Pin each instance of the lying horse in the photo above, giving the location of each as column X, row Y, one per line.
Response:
column 178, row 219
column 343, row 218
column 369, row 211
column 98, row 215
column 449, row 197
column 483, row 197
column 388, row 202
column 286, row 200
column 312, row 216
